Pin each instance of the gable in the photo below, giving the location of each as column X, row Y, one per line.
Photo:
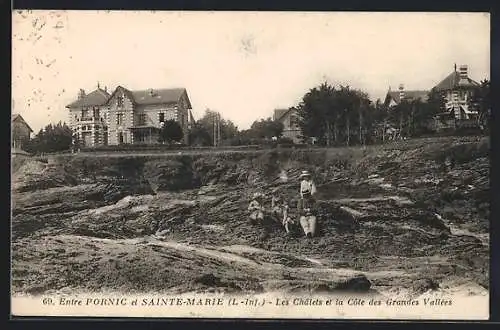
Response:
column 16, row 118
column 185, row 99
column 120, row 91
column 281, row 114
column 452, row 81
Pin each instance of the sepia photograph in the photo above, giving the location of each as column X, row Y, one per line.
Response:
column 270, row 165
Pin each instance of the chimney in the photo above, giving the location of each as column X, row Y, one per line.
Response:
column 105, row 88
column 463, row 74
column 401, row 92
column 98, row 85
column 81, row 94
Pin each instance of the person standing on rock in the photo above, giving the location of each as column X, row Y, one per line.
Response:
column 307, row 204
column 256, row 208
column 307, row 186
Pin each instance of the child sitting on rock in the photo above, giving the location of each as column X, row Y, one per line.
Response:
column 276, row 207
column 307, row 210
column 287, row 221
column 256, row 208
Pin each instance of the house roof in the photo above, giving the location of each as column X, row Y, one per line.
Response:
column 16, row 116
column 191, row 118
column 452, row 81
column 409, row 95
column 159, row 96
column 95, row 98
column 281, row 113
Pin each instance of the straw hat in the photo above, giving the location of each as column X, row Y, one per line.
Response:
column 305, row 174
column 257, row 195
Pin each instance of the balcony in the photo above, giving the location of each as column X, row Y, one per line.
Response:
column 90, row 120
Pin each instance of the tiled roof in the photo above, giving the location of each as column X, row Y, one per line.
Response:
column 159, row 96
column 97, row 97
column 409, row 95
column 452, row 82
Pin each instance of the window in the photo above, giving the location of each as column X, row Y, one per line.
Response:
column 162, row 117
column 85, row 113
column 119, row 119
column 119, row 101
column 142, row 119
column 96, row 112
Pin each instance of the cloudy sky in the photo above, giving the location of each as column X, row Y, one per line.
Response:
column 243, row 65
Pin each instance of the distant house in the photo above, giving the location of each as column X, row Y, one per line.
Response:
column 88, row 116
column 394, row 98
column 289, row 119
column 457, row 89
column 21, row 131
column 136, row 117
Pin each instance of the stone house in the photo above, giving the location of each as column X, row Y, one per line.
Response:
column 136, row 117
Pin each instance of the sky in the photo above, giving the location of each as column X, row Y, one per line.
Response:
column 242, row 64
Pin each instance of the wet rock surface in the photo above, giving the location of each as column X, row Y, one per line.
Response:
column 398, row 216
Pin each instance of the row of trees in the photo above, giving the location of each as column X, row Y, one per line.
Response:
column 212, row 129
column 335, row 116
column 52, row 138
column 346, row 116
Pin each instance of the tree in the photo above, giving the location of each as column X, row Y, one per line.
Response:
column 317, row 114
column 199, row 136
column 378, row 120
column 481, row 101
column 434, row 106
column 212, row 124
column 266, row 129
column 228, row 129
column 52, row 138
column 171, row 132
column 326, row 111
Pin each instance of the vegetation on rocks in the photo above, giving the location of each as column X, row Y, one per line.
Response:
column 388, row 215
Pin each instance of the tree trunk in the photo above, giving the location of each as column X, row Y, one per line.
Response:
column 383, row 130
column 408, row 130
column 328, row 134
column 348, row 128
column 336, row 129
column 400, row 124
column 361, row 128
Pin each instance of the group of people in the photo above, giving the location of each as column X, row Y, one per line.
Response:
column 280, row 209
